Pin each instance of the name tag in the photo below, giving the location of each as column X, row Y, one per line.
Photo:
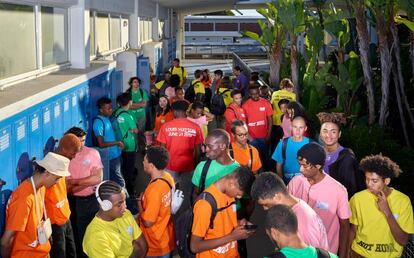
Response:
column 322, row 205
column 262, row 109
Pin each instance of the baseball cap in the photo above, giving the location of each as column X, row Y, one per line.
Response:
column 55, row 164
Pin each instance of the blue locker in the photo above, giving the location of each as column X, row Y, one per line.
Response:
column 67, row 113
column 143, row 72
column 23, row 166
column 76, row 118
column 81, row 106
column 57, row 120
column 35, row 135
column 6, row 157
column 116, row 85
column 47, row 123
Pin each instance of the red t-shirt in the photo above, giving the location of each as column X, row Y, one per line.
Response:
column 257, row 113
column 180, row 137
column 233, row 113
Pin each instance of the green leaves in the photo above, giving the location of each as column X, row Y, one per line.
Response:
column 406, row 22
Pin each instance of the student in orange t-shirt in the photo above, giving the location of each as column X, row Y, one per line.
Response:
column 221, row 239
column 20, row 239
column 164, row 113
column 234, row 111
column 155, row 204
column 244, row 153
column 57, row 205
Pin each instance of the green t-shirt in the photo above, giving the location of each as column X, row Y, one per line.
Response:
column 308, row 252
column 215, row 172
column 125, row 122
column 137, row 98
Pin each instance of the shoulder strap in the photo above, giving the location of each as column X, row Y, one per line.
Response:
column 182, row 71
column 284, row 147
column 322, row 253
column 231, row 151
column 251, row 156
column 141, row 92
column 163, row 179
column 210, row 199
column 224, row 91
column 202, row 185
column 171, row 69
column 122, row 112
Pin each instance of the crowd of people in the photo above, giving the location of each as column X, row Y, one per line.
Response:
column 214, row 151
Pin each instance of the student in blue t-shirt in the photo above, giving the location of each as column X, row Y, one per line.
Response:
column 288, row 167
column 105, row 138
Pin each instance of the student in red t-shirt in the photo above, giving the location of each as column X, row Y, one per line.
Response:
column 183, row 139
column 259, row 121
column 234, row 111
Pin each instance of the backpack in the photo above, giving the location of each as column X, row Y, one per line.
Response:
column 321, row 254
column 218, row 107
column 177, row 196
column 190, row 93
column 117, row 130
column 94, row 137
column 172, row 69
column 250, row 151
column 184, row 223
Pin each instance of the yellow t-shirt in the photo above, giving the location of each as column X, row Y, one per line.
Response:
column 105, row 239
column 180, row 71
column 276, row 97
column 159, row 84
column 373, row 237
column 226, row 96
column 198, row 87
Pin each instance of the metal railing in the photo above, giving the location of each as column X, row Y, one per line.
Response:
column 221, row 51
column 238, row 61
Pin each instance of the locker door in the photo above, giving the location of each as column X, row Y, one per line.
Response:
column 57, row 120
column 47, row 124
column 35, row 136
column 67, row 114
column 82, row 106
column 23, row 167
column 116, row 85
column 76, row 119
column 6, row 157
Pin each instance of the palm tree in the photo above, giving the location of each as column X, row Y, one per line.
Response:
column 272, row 39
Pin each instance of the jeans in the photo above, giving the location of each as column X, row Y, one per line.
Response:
column 183, row 182
column 83, row 211
column 115, row 171
column 128, row 170
column 169, row 255
column 63, row 242
column 263, row 148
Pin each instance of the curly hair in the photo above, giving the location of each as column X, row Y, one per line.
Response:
column 381, row 165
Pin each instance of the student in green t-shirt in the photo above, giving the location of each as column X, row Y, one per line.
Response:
column 281, row 225
column 139, row 101
column 126, row 130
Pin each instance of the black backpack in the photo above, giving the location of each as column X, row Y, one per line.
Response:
column 189, row 94
column 184, row 222
column 218, row 107
column 321, row 254
column 94, row 137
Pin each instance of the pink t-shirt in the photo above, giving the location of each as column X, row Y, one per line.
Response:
column 310, row 226
column 329, row 199
column 286, row 126
column 81, row 166
column 202, row 122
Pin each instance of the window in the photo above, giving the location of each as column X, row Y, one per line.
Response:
column 115, row 32
column 91, row 34
column 124, row 32
column 161, row 29
column 54, row 36
column 17, row 27
column 102, row 33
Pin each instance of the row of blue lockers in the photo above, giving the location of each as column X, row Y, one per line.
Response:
column 35, row 131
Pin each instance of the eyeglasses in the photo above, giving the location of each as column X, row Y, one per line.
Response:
column 242, row 134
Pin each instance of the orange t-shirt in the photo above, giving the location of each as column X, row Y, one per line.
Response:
column 21, row 217
column 243, row 157
column 56, row 202
column 162, row 119
column 156, row 204
column 224, row 223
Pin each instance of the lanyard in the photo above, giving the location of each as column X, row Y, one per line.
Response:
column 37, row 204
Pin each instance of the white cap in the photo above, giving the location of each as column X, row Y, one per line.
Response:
column 55, row 164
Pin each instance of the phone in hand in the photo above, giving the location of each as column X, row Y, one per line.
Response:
column 250, row 226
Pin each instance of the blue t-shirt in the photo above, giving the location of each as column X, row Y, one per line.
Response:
column 291, row 167
column 109, row 136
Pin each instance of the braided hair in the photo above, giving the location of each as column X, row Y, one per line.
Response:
column 107, row 189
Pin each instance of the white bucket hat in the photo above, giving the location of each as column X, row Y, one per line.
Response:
column 55, row 164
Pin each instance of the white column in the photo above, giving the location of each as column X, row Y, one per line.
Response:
column 79, row 35
column 155, row 20
column 134, row 28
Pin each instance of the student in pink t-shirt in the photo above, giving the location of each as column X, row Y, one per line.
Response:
column 197, row 116
column 86, row 172
column 269, row 190
column 325, row 195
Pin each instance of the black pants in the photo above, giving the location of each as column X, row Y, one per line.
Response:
column 129, row 171
column 63, row 242
column 83, row 211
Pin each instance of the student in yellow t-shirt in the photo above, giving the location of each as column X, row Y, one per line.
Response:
column 198, row 85
column 179, row 70
column 113, row 232
column 382, row 217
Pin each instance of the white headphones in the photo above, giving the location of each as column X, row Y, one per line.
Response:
column 106, row 205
